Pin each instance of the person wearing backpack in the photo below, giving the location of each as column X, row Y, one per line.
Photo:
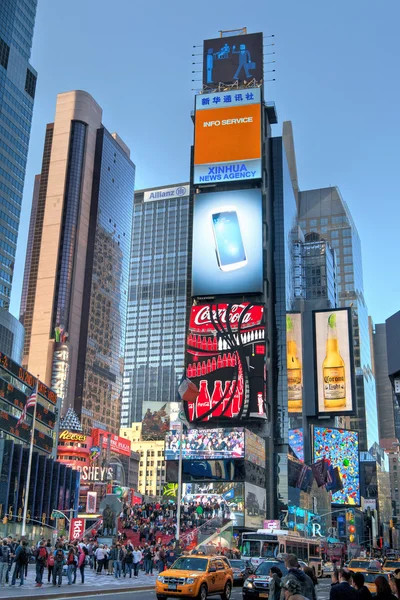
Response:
column 4, row 562
column 41, row 560
column 50, row 564
column 21, row 560
column 70, row 564
column 59, row 560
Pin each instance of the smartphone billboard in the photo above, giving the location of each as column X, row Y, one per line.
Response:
column 340, row 448
column 227, row 141
column 225, row 363
column 234, row 58
column 294, row 361
column 227, row 251
column 334, row 361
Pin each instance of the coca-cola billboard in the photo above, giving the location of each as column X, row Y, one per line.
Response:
column 225, row 363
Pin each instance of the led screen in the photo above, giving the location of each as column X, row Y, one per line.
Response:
column 294, row 362
column 227, row 243
column 199, row 444
column 340, row 448
column 254, row 449
column 157, row 417
column 233, row 58
column 225, row 363
column 296, row 443
column 227, row 142
column 255, row 506
column 334, row 364
column 227, row 498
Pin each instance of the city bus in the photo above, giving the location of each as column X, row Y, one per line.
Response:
column 265, row 544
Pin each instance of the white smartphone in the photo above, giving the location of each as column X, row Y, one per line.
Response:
column 229, row 246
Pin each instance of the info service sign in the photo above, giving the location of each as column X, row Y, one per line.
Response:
column 227, row 144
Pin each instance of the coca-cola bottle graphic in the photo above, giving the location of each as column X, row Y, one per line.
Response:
column 203, row 402
column 191, row 410
column 215, row 398
column 238, row 397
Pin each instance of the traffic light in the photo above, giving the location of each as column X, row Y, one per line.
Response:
column 351, row 525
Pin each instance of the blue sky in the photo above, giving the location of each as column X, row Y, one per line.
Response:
column 337, row 80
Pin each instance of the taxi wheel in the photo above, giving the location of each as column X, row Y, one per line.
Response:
column 161, row 597
column 227, row 591
column 203, row 592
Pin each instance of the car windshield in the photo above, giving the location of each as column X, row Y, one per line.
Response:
column 237, row 564
column 357, row 564
column 265, row 567
column 392, row 564
column 187, row 563
column 370, row 577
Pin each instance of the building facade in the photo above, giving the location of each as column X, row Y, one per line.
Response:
column 76, row 286
column 17, row 93
column 157, row 303
column 323, row 211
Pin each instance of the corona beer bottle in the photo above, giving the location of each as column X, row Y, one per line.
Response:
column 294, row 370
column 333, row 370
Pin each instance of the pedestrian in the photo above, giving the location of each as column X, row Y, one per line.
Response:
column 21, row 558
column 41, row 560
column 82, row 561
column 148, row 560
column 291, row 590
column 306, row 585
column 343, row 589
column 100, row 556
column 128, row 563
column 70, row 564
column 4, row 562
column 137, row 557
column 59, row 561
column 275, row 583
column 362, row 590
column 383, row 591
column 50, row 564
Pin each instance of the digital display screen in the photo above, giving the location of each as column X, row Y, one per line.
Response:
column 340, row 448
column 233, row 58
column 228, row 496
column 199, row 444
column 255, row 506
column 334, row 363
column 227, row 255
column 296, row 443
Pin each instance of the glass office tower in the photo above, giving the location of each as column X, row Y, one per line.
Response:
column 17, row 93
column 155, row 335
column 324, row 211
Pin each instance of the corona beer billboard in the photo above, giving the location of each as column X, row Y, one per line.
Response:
column 233, row 58
column 227, row 142
column 225, row 362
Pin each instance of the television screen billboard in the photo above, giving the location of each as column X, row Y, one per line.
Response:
column 340, row 448
column 296, row 443
column 225, row 363
column 206, row 470
column 200, row 444
column 233, row 58
column 333, row 361
column 227, row 498
column 227, row 250
column 254, row 448
column 294, row 348
column 227, row 140
column 157, row 417
column 255, row 506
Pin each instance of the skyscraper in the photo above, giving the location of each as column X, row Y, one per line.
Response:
column 76, row 281
column 154, row 354
column 323, row 211
column 17, row 93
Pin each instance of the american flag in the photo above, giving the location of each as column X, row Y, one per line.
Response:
column 29, row 404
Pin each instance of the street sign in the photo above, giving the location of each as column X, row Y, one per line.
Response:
column 77, row 529
column 56, row 514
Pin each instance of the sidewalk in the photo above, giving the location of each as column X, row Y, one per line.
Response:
column 93, row 584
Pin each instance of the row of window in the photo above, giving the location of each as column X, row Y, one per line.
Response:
column 13, row 210
column 7, row 248
column 16, row 128
column 12, row 138
column 21, row 95
column 11, row 166
column 11, row 152
column 8, row 234
column 26, row 126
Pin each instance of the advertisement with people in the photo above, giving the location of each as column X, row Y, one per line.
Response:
column 255, row 506
column 334, row 361
column 227, row 255
column 227, row 499
column 199, row 444
column 225, row 363
column 234, row 58
column 157, row 417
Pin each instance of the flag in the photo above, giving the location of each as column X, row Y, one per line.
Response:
column 320, row 471
column 334, row 482
column 29, row 404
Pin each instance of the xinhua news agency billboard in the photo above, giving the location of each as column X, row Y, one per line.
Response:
column 227, row 143
column 225, row 363
column 227, row 255
column 233, row 58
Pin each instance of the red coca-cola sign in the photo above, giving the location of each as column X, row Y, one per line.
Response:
column 203, row 317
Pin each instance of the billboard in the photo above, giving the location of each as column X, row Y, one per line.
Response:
column 199, row 444
column 229, row 496
column 294, row 362
column 234, row 58
column 255, row 506
column 227, row 255
column 296, row 442
column 227, row 138
column 118, row 444
column 254, row 449
column 334, row 361
column 340, row 448
column 166, row 193
column 156, row 419
column 206, row 470
column 225, row 362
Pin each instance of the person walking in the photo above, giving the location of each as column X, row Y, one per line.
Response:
column 21, row 559
column 50, row 564
column 137, row 557
column 70, row 564
column 383, row 591
column 59, row 561
column 4, row 562
column 343, row 589
column 306, row 585
column 275, row 583
column 128, row 563
column 41, row 560
column 82, row 560
column 100, row 556
column 148, row 560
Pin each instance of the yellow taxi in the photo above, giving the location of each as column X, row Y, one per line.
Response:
column 369, row 579
column 390, row 565
column 359, row 565
column 196, row 576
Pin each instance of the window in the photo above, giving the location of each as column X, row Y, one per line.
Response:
column 4, row 53
column 30, row 83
